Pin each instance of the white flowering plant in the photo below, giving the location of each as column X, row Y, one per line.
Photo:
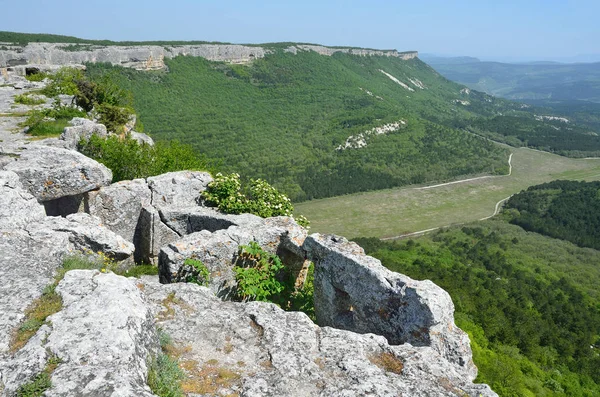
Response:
column 259, row 198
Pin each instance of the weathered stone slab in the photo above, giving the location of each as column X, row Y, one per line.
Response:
column 355, row 292
column 49, row 173
column 182, row 188
column 82, row 129
column 18, row 208
column 104, row 337
column 268, row 352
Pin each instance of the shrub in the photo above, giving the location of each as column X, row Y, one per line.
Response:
column 255, row 272
column 40, row 76
column 200, row 274
column 259, row 198
column 113, row 117
column 64, row 81
column 130, row 160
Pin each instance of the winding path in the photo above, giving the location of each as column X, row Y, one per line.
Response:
column 496, row 209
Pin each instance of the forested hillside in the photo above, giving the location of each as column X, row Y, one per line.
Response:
column 297, row 119
column 568, row 210
column 530, row 303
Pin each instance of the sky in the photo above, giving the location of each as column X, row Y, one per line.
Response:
column 505, row 30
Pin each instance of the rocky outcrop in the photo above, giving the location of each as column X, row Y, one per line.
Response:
column 18, row 208
column 81, row 129
column 355, row 292
column 142, row 57
column 329, row 51
column 149, row 57
column 49, row 173
column 260, row 350
column 104, row 338
column 183, row 188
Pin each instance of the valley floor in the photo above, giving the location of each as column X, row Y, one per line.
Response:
column 393, row 213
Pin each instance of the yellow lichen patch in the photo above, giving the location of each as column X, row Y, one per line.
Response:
column 388, row 362
column 210, row 379
column 169, row 304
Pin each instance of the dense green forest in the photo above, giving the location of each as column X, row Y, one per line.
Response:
column 282, row 118
column 568, row 210
column 530, row 303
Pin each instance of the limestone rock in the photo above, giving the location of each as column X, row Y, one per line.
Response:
column 218, row 249
column 187, row 220
column 82, row 129
column 17, row 207
column 87, row 233
column 265, row 351
column 355, row 292
column 104, row 337
column 154, row 235
column 141, row 138
column 50, row 173
column 27, row 264
column 119, row 206
column 182, row 188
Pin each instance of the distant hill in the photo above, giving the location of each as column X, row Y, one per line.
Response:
column 524, row 81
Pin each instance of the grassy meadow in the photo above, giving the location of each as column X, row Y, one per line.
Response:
column 394, row 212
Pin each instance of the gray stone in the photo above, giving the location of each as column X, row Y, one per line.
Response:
column 104, row 337
column 154, row 235
column 182, row 188
column 141, row 138
column 87, row 233
column 49, row 173
column 218, row 249
column 265, row 351
column 18, row 208
column 355, row 292
column 82, row 129
column 187, row 220
column 28, row 262
column 119, row 207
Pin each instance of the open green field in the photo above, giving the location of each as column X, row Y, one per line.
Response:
column 395, row 212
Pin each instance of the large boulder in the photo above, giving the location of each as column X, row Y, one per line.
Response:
column 256, row 349
column 181, row 188
column 119, row 206
column 155, row 234
column 86, row 233
column 82, row 129
column 49, row 173
column 28, row 262
column 104, row 337
column 355, row 292
column 18, row 208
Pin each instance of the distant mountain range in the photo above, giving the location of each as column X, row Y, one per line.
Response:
column 542, row 80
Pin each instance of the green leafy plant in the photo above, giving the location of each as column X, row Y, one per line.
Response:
column 164, row 373
column 129, row 159
column 41, row 382
column 256, row 273
column 64, row 81
column 40, row 76
column 50, row 122
column 259, row 198
column 200, row 274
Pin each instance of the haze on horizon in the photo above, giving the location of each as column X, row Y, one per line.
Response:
column 512, row 30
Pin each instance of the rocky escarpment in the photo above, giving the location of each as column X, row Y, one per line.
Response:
column 378, row 333
column 148, row 57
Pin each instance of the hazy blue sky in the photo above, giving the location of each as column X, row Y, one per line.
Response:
column 519, row 29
